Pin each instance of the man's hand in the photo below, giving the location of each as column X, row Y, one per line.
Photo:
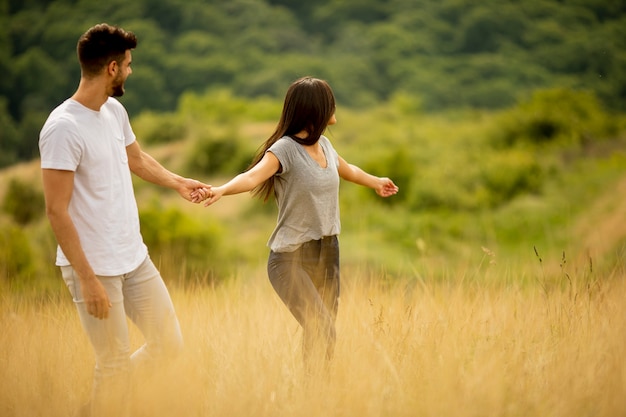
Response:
column 58, row 186
column 193, row 190
column 95, row 297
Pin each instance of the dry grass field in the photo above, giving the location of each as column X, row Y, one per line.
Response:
column 414, row 348
column 456, row 339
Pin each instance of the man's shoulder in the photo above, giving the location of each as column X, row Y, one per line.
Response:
column 112, row 101
column 116, row 108
column 62, row 115
column 114, row 104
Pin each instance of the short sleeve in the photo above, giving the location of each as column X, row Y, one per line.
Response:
column 59, row 145
column 283, row 150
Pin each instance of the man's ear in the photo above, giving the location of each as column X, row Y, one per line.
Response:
column 112, row 68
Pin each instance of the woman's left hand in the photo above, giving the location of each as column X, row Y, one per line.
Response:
column 386, row 187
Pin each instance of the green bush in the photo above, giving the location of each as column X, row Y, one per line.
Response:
column 223, row 107
column 157, row 128
column 22, row 202
column 400, row 167
column 16, row 255
column 511, row 173
column 558, row 116
column 179, row 240
column 219, row 153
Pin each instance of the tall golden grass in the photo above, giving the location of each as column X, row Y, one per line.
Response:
column 405, row 348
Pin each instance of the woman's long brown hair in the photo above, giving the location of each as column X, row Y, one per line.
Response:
column 309, row 105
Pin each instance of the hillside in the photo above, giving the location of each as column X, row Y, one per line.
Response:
column 595, row 236
column 445, row 54
column 541, row 175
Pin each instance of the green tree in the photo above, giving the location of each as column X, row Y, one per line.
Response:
column 9, row 136
column 41, row 80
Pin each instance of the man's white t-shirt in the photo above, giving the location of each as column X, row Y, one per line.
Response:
column 103, row 208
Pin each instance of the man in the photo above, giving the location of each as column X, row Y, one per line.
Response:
column 88, row 151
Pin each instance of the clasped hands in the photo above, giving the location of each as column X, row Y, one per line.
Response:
column 200, row 194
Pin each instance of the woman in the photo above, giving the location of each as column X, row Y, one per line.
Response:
column 300, row 167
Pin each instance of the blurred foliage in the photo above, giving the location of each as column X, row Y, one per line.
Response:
column 442, row 55
column 16, row 255
column 557, row 116
column 509, row 174
column 468, row 179
column 175, row 238
column 210, row 126
column 9, row 137
column 218, row 153
column 23, row 202
column 159, row 128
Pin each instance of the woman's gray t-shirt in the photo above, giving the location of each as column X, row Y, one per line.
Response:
column 307, row 195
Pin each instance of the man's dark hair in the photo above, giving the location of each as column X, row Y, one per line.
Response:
column 102, row 44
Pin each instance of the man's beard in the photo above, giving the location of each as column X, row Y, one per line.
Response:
column 118, row 87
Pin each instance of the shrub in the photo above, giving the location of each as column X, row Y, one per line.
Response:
column 178, row 239
column 160, row 128
column 22, row 202
column 508, row 174
column 16, row 255
column 558, row 116
column 218, row 153
column 400, row 167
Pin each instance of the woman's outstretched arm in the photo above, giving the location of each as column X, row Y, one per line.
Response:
column 384, row 187
column 246, row 181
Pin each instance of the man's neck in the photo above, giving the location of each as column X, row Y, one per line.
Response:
column 91, row 94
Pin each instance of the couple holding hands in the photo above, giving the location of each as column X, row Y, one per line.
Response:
column 88, row 153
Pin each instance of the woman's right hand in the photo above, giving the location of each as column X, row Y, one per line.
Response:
column 214, row 194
